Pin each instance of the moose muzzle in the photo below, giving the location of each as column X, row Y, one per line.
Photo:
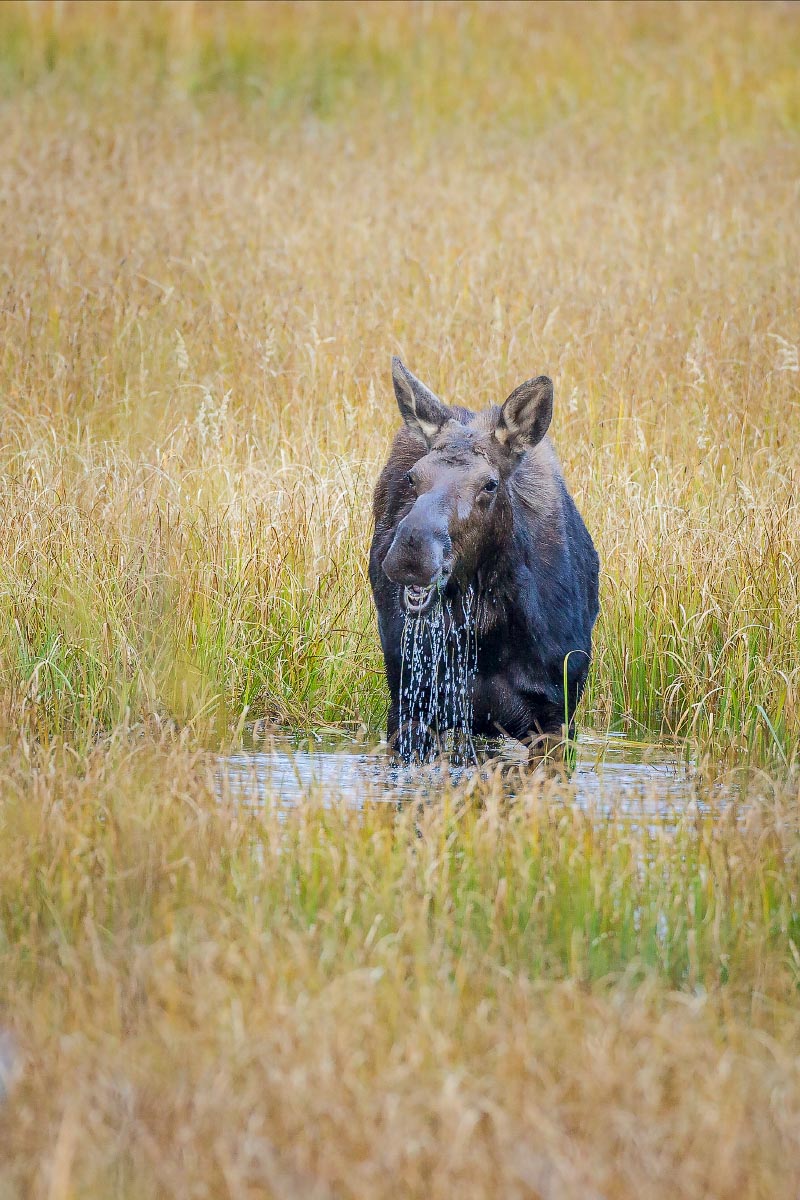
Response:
column 420, row 556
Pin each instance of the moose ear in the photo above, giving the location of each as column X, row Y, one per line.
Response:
column 526, row 415
column 420, row 409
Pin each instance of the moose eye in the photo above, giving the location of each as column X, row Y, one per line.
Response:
column 490, row 485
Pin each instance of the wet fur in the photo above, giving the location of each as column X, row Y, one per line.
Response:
column 537, row 588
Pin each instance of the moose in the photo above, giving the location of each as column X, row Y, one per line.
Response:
column 475, row 503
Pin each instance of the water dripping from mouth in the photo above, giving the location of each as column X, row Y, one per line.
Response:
column 439, row 655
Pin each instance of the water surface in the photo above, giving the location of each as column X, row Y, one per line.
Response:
column 612, row 771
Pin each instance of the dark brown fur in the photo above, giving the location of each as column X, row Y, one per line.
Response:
column 487, row 508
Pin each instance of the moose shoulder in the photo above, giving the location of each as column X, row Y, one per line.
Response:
column 475, row 503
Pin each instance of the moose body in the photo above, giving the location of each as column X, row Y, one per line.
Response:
column 474, row 505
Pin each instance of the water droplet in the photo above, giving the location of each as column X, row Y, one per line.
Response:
column 439, row 659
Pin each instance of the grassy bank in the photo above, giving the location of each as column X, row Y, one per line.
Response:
column 218, row 222
column 504, row 999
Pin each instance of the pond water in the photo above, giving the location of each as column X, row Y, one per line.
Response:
column 612, row 772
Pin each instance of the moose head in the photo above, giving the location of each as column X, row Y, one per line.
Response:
column 457, row 494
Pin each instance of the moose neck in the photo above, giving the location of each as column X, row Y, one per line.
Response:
column 521, row 570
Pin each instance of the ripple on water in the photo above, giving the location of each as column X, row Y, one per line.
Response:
column 611, row 773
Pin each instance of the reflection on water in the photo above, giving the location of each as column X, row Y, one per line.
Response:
column 611, row 772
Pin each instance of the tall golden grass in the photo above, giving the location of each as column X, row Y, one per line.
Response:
column 206, row 271
column 498, row 1001
column 218, row 222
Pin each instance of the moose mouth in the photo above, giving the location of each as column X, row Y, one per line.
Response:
column 417, row 600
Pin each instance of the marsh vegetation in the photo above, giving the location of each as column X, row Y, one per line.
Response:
column 217, row 224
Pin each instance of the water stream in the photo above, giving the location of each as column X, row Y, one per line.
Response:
column 439, row 660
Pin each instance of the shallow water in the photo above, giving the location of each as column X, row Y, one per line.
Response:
column 612, row 772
